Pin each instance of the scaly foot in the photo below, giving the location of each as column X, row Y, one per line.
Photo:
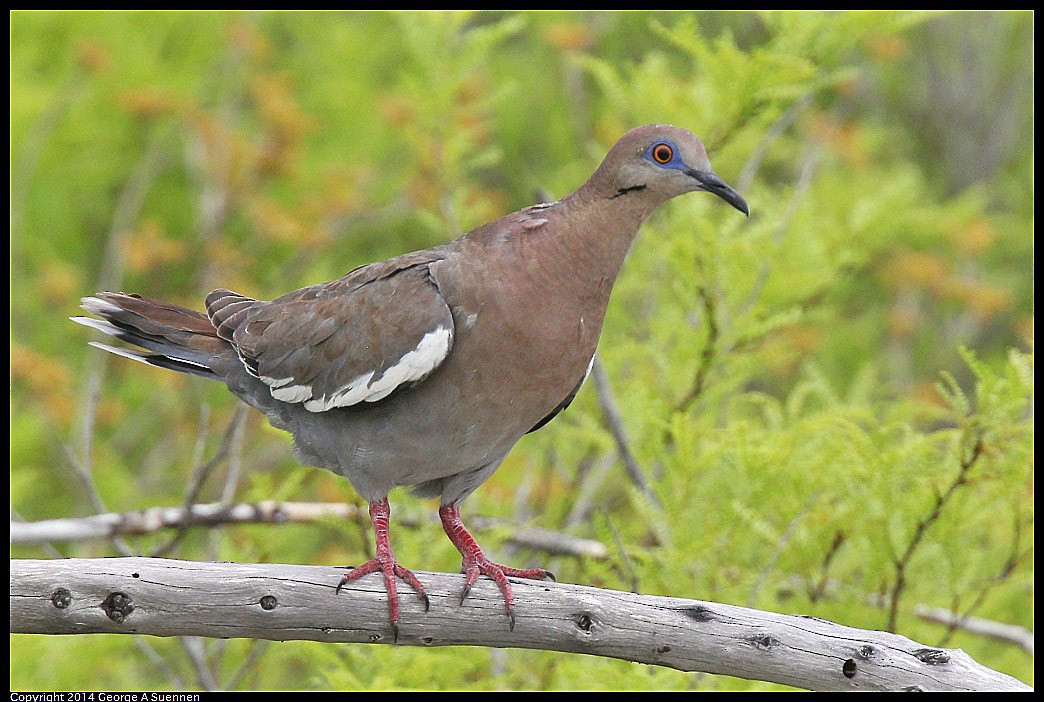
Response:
column 476, row 563
column 384, row 563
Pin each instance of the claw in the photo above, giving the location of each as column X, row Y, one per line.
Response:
column 476, row 563
column 385, row 564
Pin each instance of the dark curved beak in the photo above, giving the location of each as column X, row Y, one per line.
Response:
column 713, row 184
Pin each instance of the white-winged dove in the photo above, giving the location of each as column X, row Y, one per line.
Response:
column 425, row 369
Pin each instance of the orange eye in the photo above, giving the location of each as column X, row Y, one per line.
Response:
column 662, row 153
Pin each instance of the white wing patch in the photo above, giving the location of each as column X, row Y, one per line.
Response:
column 414, row 365
column 282, row 390
column 356, row 391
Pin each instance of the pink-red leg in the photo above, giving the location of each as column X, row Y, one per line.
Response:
column 476, row 563
column 384, row 563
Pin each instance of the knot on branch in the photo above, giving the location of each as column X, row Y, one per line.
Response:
column 117, row 606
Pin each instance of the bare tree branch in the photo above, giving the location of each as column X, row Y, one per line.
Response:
column 709, row 353
column 957, row 621
column 201, row 473
column 24, row 166
column 161, row 664
column 249, row 665
column 280, row 602
column 784, row 539
column 778, row 128
column 616, row 426
column 586, row 493
column 1009, row 633
column 808, row 166
column 156, row 518
column 941, row 500
column 196, row 652
column 82, row 471
column 128, row 207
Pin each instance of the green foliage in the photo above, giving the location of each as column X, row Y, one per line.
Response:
column 832, row 400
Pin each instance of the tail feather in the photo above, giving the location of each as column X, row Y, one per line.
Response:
column 155, row 359
column 180, row 339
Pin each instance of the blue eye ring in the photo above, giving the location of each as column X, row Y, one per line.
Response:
column 662, row 152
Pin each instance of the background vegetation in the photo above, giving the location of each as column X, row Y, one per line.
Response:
column 831, row 401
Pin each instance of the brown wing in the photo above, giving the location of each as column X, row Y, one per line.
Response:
column 356, row 339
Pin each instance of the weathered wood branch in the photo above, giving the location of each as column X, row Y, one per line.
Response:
column 162, row 597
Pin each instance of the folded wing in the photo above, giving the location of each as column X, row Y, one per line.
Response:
column 381, row 328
